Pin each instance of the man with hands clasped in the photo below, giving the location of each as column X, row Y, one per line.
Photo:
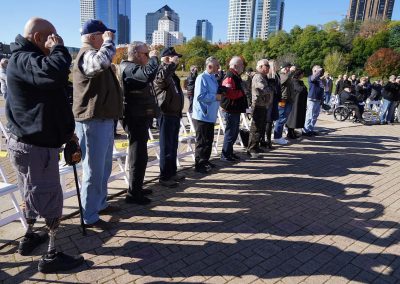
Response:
column 205, row 108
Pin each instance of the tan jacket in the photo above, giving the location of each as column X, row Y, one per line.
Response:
column 262, row 92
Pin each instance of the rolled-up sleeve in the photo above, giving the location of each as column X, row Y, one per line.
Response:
column 94, row 62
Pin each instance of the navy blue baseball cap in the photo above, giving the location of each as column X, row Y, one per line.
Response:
column 169, row 51
column 93, row 26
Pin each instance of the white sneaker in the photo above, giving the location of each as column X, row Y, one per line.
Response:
column 280, row 141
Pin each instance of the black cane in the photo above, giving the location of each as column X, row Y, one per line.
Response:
column 79, row 201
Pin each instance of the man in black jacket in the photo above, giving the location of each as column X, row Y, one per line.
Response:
column 191, row 80
column 40, row 121
column 137, row 75
column 170, row 100
column 390, row 94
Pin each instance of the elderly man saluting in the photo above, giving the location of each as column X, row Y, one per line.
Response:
column 40, row 121
column 97, row 102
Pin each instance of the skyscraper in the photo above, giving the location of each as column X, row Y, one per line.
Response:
column 153, row 18
column 204, row 29
column 115, row 14
column 166, row 34
column 361, row 10
column 240, row 20
column 269, row 17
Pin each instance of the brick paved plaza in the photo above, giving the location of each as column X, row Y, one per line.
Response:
column 324, row 209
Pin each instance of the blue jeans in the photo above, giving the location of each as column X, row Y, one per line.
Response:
column 388, row 110
column 280, row 123
column 231, row 133
column 96, row 138
column 327, row 98
column 169, row 135
column 313, row 109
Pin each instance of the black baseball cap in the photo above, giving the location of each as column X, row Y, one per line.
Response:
column 169, row 51
column 286, row 64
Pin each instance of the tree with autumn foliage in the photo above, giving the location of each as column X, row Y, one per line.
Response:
column 121, row 54
column 383, row 63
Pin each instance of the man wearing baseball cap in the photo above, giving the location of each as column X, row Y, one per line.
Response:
column 170, row 100
column 97, row 102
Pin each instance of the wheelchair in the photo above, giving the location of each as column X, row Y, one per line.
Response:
column 344, row 111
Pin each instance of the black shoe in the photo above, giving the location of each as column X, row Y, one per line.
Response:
column 168, row 183
column 109, row 209
column 178, row 178
column 31, row 241
column 100, row 224
column 235, row 157
column 59, row 262
column 203, row 169
column 227, row 159
column 141, row 200
column 146, row 191
column 308, row 134
column 211, row 165
column 314, row 133
column 253, row 154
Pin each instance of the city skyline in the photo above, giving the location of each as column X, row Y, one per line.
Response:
column 115, row 14
column 204, row 29
column 66, row 17
column 361, row 10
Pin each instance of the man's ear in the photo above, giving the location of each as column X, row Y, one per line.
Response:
column 37, row 38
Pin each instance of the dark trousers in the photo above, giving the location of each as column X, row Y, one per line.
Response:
column 169, row 135
column 257, row 128
column 137, row 129
column 231, row 133
column 204, row 141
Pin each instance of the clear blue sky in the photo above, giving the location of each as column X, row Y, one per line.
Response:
column 64, row 14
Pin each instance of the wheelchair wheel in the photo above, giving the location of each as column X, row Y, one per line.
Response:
column 341, row 113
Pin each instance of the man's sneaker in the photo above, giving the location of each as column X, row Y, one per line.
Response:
column 178, row 178
column 31, row 241
column 280, row 141
column 227, row 159
column 100, row 224
column 59, row 262
column 146, row 191
column 203, row 169
column 253, row 154
column 234, row 156
column 141, row 200
column 169, row 183
column 211, row 165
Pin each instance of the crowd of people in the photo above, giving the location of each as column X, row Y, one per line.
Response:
column 141, row 89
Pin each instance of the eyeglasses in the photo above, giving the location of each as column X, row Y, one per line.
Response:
column 266, row 65
column 145, row 53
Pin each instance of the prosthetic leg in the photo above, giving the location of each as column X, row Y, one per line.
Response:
column 31, row 239
column 53, row 260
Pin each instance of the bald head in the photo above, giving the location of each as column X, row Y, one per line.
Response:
column 37, row 25
column 37, row 31
column 236, row 63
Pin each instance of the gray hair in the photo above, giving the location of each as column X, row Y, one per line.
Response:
column 261, row 63
column 234, row 61
column 315, row 68
column 211, row 60
column 273, row 66
column 133, row 47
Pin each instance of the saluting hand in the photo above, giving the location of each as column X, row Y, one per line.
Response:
column 52, row 40
column 108, row 35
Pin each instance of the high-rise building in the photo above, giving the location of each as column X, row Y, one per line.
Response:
column 166, row 34
column 153, row 18
column 241, row 20
column 361, row 10
column 204, row 29
column 269, row 17
column 115, row 14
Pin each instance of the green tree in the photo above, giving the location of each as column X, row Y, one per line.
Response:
column 394, row 38
column 335, row 63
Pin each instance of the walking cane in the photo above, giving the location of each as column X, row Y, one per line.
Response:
column 72, row 156
column 79, row 200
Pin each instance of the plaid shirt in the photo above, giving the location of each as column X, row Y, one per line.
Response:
column 95, row 62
